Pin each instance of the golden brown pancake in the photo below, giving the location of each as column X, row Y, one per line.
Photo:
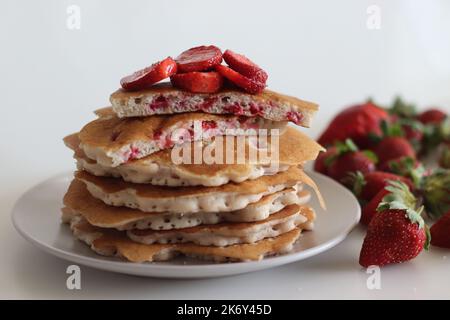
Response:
column 97, row 213
column 112, row 141
column 295, row 148
column 227, row 233
column 109, row 242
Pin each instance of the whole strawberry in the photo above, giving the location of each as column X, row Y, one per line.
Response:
column 413, row 131
column 349, row 159
column 369, row 210
column 397, row 233
column 391, row 148
column 432, row 116
column 440, row 232
column 366, row 186
column 319, row 164
column 358, row 123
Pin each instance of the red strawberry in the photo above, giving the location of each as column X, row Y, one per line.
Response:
column 348, row 163
column 146, row 77
column 198, row 82
column 370, row 209
column 348, row 160
column 368, row 185
column 432, row 116
column 319, row 164
column 358, row 123
column 397, row 232
column 393, row 148
column 440, row 232
column 249, row 85
column 244, row 66
column 199, row 59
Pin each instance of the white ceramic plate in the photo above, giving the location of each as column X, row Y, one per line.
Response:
column 36, row 216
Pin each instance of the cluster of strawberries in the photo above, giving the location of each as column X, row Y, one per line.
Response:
column 199, row 70
column 376, row 153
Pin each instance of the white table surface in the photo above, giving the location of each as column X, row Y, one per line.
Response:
column 52, row 78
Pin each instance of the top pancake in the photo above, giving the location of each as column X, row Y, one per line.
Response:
column 165, row 99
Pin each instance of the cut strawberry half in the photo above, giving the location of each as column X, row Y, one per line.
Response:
column 148, row 76
column 245, row 66
column 198, row 82
column 249, row 85
column 199, row 59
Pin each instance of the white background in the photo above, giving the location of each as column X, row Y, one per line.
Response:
column 52, row 78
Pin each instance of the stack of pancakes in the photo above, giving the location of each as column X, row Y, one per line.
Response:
column 129, row 198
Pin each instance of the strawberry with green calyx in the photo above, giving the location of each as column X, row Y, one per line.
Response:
column 402, row 110
column 440, row 232
column 413, row 131
column 366, row 186
column 392, row 145
column 397, row 233
column 406, row 167
column 348, row 159
column 436, row 192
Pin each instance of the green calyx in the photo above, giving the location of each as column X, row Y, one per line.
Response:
column 444, row 160
column 402, row 109
column 408, row 167
column 436, row 193
column 357, row 181
column 391, row 130
column 401, row 198
column 341, row 147
column 435, row 134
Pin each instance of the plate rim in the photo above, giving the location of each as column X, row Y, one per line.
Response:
column 140, row 268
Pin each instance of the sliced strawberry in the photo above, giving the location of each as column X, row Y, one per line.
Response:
column 245, row 66
column 249, row 85
column 199, row 59
column 146, row 77
column 198, row 82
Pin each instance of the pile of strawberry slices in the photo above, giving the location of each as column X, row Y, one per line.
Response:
column 199, row 70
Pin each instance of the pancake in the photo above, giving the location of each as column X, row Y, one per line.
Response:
column 112, row 141
column 295, row 149
column 149, row 198
column 226, row 234
column 109, row 242
column 79, row 201
column 165, row 99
